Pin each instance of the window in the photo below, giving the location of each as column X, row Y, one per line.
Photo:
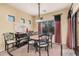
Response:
column 11, row 18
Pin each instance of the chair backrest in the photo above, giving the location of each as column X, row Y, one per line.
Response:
column 44, row 37
column 20, row 35
column 8, row 36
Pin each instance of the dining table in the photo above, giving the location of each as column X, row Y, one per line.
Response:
column 35, row 36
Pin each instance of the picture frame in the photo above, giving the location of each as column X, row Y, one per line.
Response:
column 22, row 20
column 29, row 21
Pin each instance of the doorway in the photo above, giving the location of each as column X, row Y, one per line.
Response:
column 57, row 28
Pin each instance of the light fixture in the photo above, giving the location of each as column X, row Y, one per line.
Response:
column 40, row 19
column 39, row 10
column 38, row 13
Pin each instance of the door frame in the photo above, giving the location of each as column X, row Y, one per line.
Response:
column 61, row 47
column 60, row 25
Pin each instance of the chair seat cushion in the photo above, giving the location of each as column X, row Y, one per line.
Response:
column 11, row 41
column 42, row 44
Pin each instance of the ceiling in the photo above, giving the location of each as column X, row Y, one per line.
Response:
column 32, row 8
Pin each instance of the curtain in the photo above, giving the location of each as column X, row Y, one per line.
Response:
column 57, row 29
column 69, row 34
column 74, row 25
column 57, row 32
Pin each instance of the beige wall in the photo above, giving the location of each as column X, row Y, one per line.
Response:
column 64, row 22
column 5, row 26
column 75, row 7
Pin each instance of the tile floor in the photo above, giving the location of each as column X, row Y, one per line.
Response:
column 54, row 51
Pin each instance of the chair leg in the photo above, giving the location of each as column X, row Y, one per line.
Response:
column 13, row 45
column 47, row 51
column 39, row 52
column 28, row 48
column 51, row 43
column 45, row 48
column 36, row 49
column 5, row 47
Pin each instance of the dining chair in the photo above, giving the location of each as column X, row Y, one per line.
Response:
column 43, row 42
column 30, row 42
column 9, row 39
column 21, row 39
